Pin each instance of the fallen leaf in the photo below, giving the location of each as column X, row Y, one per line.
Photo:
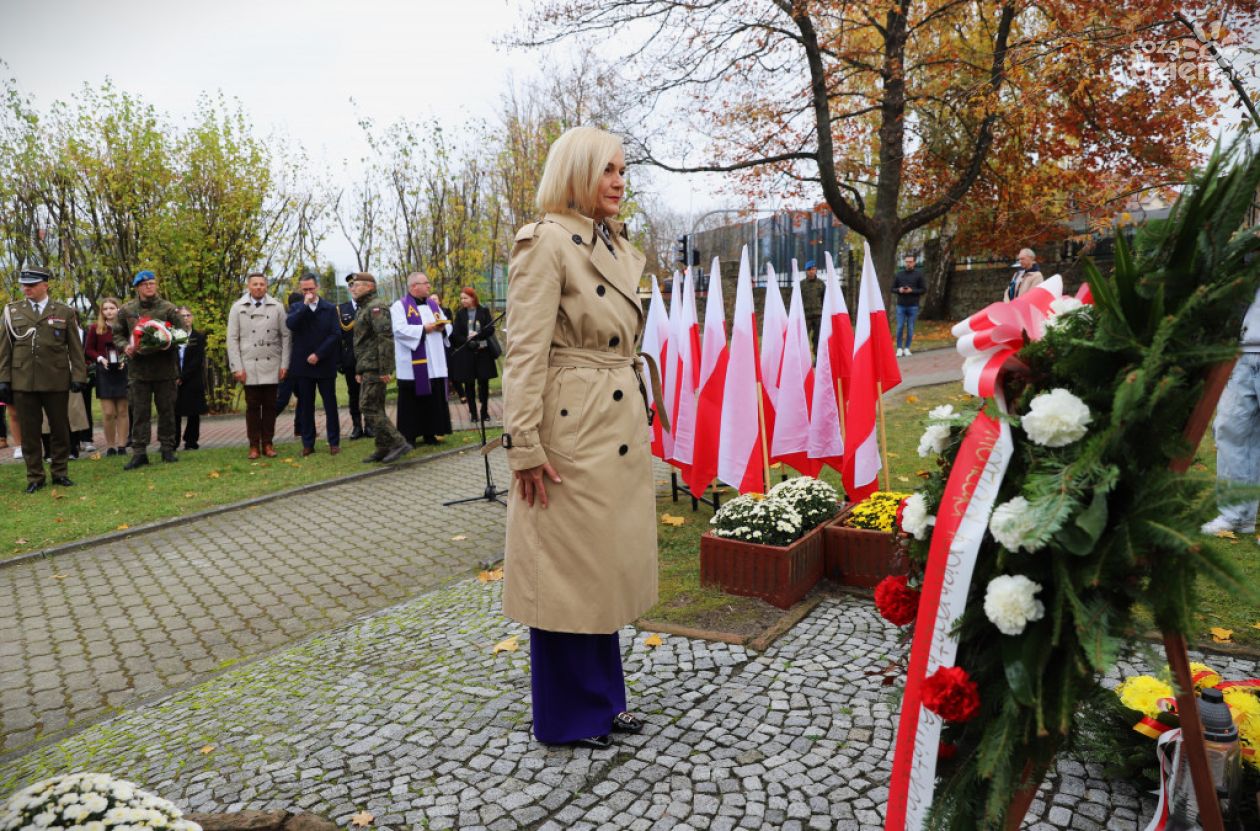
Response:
column 494, row 575
column 59, row 519
column 122, row 527
column 362, row 819
column 189, row 494
column 509, row 645
column 96, row 457
column 910, row 399
column 1220, row 635
column 903, row 478
column 59, row 577
column 20, row 541
column 152, row 487
column 459, row 538
column 1256, row 625
column 214, row 474
column 56, row 494
column 1200, row 467
column 83, row 499
column 892, row 455
column 653, row 640
column 670, row 519
column 1227, row 535
column 923, row 474
column 207, row 750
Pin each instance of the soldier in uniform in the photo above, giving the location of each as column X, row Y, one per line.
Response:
column 41, row 364
column 374, row 366
column 812, row 301
column 152, row 377
column 346, row 312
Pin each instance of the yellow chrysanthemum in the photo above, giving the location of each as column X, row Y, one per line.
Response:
column 1244, row 706
column 1204, row 676
column 1142, row 693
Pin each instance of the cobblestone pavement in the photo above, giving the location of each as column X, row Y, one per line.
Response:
column 88, row 631
column 410, row 715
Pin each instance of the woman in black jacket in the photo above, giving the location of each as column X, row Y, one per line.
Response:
column 472, row 362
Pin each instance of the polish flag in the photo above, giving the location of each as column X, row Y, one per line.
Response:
column 714, row 357
column 874, row 370
column 773, row 332
column 841, row 328
column 790, row 442
column 655, row 343
column 835, row 356
column 686, row 359
column 669, row 372
column 740, row 454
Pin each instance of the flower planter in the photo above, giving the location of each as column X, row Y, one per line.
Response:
column 779, row 575
column 859, row 556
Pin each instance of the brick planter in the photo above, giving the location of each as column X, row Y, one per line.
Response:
column 858, row 556
column 779, row 575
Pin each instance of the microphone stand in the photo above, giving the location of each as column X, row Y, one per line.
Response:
column 492, row 492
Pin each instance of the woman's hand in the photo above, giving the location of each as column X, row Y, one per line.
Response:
column 533, row 484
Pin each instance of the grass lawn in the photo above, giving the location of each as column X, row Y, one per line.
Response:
column 683, row 601
column 105, row 498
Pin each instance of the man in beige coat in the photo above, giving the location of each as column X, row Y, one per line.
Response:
column 581, row 528
column 258, row 355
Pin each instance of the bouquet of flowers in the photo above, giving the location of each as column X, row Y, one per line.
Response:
column 813, row 499
column 753, row 517
column 151, row 335
column 90, row 800
column 878, row 512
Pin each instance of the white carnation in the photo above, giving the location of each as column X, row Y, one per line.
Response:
column 1014, row 526
column 942, row 413
column 1010, row 603
column 1063, row 306
column 1056, row 418
column 933, row 440
column 914, row 517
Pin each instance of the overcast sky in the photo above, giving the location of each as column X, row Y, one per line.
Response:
column 309, row 70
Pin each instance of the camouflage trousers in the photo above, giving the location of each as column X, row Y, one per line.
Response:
column 372, row 403
column 142, row 396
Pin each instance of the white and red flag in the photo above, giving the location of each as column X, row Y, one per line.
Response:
column 841, row 328
column 714, row 356
column 773, row 333
column 686, row 360
column 669, row 371
column 790, row 437
column 874, row 371
column 740, row 454
column 835, row 342
column 655, row 340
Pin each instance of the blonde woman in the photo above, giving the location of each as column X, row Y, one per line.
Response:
column 581, row 523
column 111, row 376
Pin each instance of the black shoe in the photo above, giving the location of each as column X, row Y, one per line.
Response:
column 169, row 456
column 627, row 723
column 111, row 452
column 34, row 486
column 593, row 742
column 356, row 433
column 64, row 481
column 375, row 457
column 193, row 446
column 397, row 452
column 139, row 460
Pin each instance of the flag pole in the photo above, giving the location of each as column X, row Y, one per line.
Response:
column 761, row 424
column 883, row 434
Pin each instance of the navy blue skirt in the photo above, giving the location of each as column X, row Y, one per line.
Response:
column 577, row 683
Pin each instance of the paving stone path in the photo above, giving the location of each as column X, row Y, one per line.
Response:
column 88, row 631
column 409, row 714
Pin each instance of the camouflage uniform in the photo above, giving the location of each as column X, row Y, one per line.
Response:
column 152, row 379
column 812, row 302
column 374, row 357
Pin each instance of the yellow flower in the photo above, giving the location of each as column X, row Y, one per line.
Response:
column 1244, row 706
column 1142, row 693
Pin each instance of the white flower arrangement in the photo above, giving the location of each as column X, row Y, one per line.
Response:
column 934, row 440
column 755, row 518
column 1010, row 603
column 89, row 802
column 944, row 412
column 815, row 500
column 1014, row 526
column 915, row 518
column 1063, row 306
column 1056, row 418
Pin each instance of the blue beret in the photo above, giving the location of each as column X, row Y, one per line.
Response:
column 809, row 264
column 143, row 276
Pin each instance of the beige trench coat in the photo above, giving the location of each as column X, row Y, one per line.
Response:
column 587, row 563
column 258, row 340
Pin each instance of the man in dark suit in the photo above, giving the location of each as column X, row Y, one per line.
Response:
column 346, row 311
column 313, row 362
column 190, row 397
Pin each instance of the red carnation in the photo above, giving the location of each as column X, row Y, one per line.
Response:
column 896, row 603
column 951, row 694
column 947, row 750
column 901, row 509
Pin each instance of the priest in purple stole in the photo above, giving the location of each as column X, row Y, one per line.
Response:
column 420, row 331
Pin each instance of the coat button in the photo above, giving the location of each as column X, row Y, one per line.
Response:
column 616, row 395
column 564, row 412
column 623, row 450
column 577, row 239
column 614, row 340
column 600, row 290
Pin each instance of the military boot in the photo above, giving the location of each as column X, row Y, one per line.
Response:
column 137, row 460
column 375, row 457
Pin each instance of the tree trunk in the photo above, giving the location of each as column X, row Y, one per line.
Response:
column 938, row 268
column 884, row 256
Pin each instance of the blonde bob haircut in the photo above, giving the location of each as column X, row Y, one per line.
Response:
column 575, row 163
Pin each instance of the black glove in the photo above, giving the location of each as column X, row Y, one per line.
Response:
column 6, row 393
column 77, row 386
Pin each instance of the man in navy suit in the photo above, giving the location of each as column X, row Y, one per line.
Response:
column 313, row 362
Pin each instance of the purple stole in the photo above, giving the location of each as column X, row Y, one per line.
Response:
column 419, row 357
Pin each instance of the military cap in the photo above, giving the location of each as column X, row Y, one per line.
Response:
column 32, row 276
column 364, row 276
column 809, row 264
column 350, row 278
column 143, row 277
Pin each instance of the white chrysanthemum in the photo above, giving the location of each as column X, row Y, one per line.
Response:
column 942, row 413
column 933, row 440
column 1061, row 307
column 1014, row 527
column 1056, row 418
column 915, row 518
column 1010, row 603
